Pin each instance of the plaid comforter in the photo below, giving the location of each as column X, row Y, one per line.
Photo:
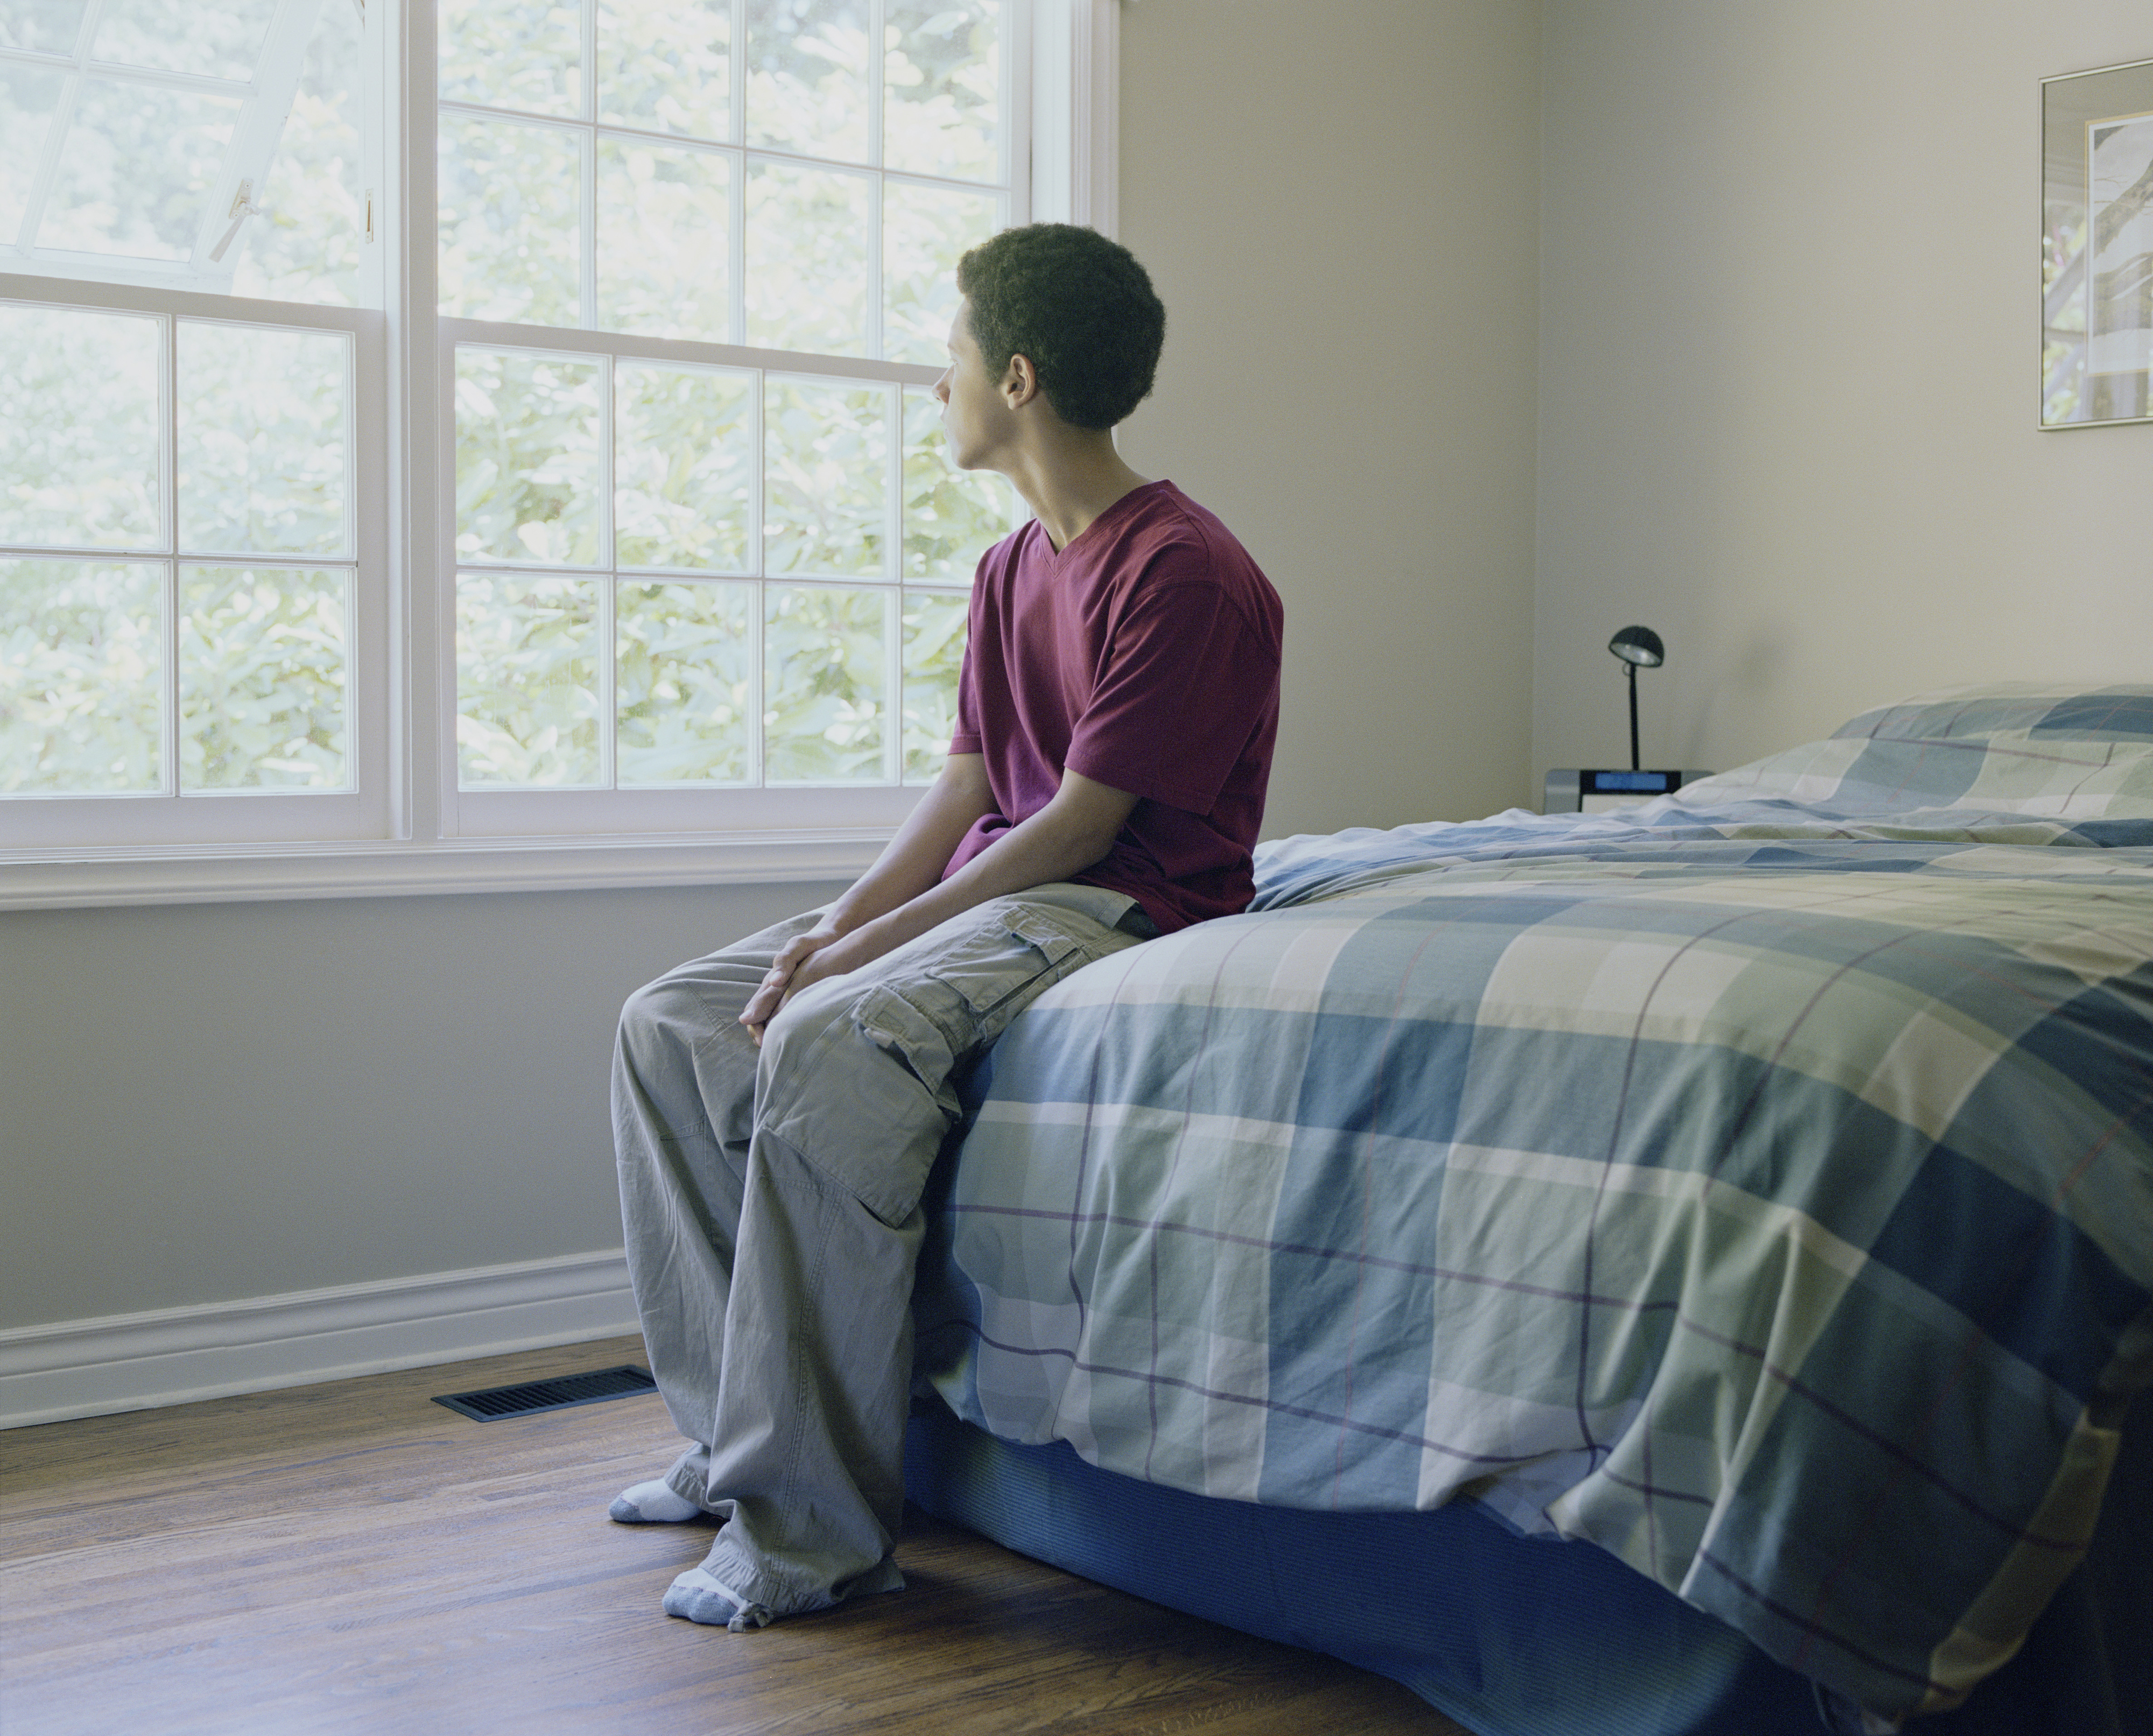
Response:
column 1757, row 1184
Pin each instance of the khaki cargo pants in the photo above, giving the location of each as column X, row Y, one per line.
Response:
column 771, row 1201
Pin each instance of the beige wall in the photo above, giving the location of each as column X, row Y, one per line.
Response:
column 216, row 1101
column 1336, row 204
column 1788, row 370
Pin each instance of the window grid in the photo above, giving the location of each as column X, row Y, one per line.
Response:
column 743, row 156
column 171, row 555
column 609, row 572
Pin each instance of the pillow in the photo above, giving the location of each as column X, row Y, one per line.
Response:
column 2026, row 748
column 2018, row 710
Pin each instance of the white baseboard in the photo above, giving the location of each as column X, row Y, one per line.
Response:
column 174, row 1356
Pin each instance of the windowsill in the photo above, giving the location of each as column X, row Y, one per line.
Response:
column 76, row 879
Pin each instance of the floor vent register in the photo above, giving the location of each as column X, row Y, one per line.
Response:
column 531, row 1397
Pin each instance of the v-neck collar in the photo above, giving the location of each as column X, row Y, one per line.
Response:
column 1056, row 556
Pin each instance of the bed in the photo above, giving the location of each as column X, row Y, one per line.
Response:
column 1679, row 1271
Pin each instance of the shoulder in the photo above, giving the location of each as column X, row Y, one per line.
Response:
column 1172, row 545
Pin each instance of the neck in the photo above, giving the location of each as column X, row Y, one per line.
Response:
column 1068, row 477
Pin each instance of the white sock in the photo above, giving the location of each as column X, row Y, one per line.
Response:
column 697, row 1597
column 651, row 1504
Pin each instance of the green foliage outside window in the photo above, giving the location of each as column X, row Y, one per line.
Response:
column 950, row 516
column 81, row 677
column 528, row 660
column 933, row 653
column 529, row 469
column 826, row 468
column 685, row 682
column 684, row 442
column 78, row 441
column 263, row 660
column 826, row 683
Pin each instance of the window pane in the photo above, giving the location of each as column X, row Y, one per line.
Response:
column 924, row 231
column 527, row 668
column 82, row 675
column 264, row 673
column 28, row 96
column 684, row 683
column 309, row 245
column 525, row 54
column 664, row 241
column 933, row 653
column 79, row 428
column 49, row 25
column 808, row 73
column 512, row 233
column 826, row 478
column 941, row 85
column 806, row 259
column 684, row 469
column 663, row 65
column 137, row 170
column 951, row 517
column 824, row 671
column 264, row 453
column 530, row 471
column 214, row 38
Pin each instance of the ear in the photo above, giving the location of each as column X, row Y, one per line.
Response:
column 1020, row 384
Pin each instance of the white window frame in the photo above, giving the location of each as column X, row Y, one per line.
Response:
column 412, row 831
column 241, row 818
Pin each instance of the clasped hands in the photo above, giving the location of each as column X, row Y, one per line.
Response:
column 823, row 951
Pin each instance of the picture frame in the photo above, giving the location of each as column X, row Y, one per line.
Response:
column 2097, row 247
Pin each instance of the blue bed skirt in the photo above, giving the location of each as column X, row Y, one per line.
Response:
column 1513, row 1636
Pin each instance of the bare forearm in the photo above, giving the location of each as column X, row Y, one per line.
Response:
column 1062, row 839
column 912, row 861
column 903, row 895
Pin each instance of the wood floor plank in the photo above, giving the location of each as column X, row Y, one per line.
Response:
column 352, row 1559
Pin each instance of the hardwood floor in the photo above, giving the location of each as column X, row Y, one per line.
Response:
column 351, row 1558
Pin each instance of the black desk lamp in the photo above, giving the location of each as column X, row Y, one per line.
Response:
column 1639, row 647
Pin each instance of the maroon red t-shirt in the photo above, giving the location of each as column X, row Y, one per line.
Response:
column 1144, row 655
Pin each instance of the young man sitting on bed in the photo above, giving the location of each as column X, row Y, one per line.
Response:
column 778, row 1105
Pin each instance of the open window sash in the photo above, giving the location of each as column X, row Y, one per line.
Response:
column 205, row 255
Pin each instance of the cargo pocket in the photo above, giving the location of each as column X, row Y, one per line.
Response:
column 874, row 1128
column 919, row 1035
column 871, row 1128
column 1005, row 968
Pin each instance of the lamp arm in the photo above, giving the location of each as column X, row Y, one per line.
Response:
column 1630, row 669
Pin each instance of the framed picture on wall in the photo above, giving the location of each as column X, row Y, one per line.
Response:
column 2097, row 247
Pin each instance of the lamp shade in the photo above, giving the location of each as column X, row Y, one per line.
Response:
column 1640, row 645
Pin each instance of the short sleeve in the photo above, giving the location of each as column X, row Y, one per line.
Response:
column 1187, row 684
column 967, row 738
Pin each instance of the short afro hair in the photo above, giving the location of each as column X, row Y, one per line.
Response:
column 1078, row 306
